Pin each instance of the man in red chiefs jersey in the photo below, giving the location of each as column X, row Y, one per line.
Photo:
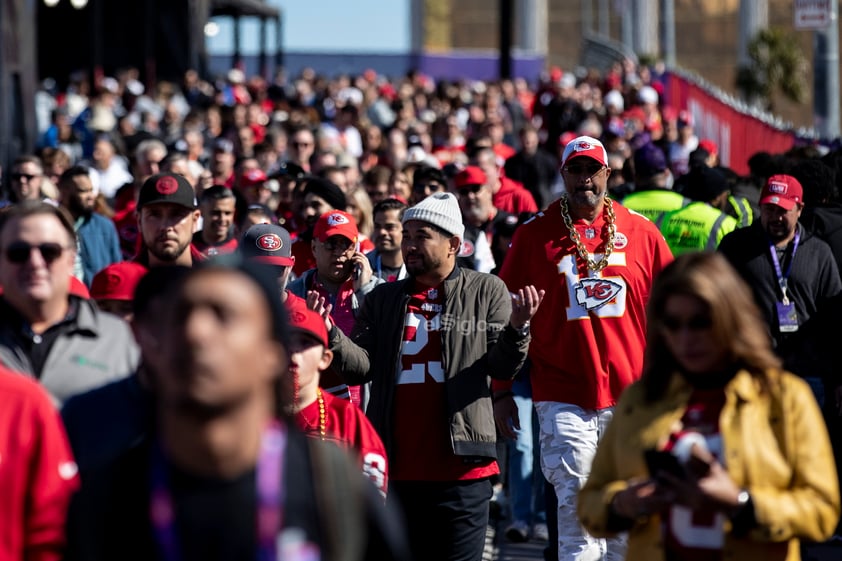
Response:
column 596, row 261
column 318, row 413
column 427, row 345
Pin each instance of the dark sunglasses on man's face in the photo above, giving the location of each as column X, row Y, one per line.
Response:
column 20, row 176
column 20, row 252
column 583, row 169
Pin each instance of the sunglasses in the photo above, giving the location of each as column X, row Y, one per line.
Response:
column 20, row 252
column 21, row 176
column 583, row 169
column 695, row 323
column 342, row 244
column 463, row 191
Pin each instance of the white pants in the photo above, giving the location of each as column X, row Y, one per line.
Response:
column 569, row 437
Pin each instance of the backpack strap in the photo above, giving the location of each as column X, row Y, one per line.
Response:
column 338, row 487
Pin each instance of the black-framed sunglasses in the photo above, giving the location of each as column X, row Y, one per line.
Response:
column 27, row 176
column 20, row 252
column 583, row 169
column 464, row 191
column 695, row 323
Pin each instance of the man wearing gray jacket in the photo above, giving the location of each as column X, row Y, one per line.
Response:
column 64, row 341
column 429, row 346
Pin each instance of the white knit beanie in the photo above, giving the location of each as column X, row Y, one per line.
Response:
column 440, row 209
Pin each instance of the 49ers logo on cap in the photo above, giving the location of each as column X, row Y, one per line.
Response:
column 779, row 188
column 582, row 146
column 594, row 293
column 166, row 185
column 269, row 242
column 336, row 220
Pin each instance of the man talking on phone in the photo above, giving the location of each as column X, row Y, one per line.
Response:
column 342, row 278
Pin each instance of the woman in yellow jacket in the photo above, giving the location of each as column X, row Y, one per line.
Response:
column 740, row 463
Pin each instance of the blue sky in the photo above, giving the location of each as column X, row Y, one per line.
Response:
column 380, row 26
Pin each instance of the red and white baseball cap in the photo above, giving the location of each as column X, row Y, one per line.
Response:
column 584, row 146
column 336, row 223
column 782, row 190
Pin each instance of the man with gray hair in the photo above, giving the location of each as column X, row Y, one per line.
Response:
column 428, row 344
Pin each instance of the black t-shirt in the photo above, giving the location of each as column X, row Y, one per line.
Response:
column 109, row 517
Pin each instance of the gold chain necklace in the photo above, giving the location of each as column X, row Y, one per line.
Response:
column 322, row 416
column 580, row 247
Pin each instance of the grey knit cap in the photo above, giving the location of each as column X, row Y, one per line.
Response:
column 439, row 209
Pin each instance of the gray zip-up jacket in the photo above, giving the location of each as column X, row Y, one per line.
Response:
column 477, row 344
column 93, row 349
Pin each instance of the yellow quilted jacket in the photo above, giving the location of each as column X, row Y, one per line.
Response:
column 775, row 445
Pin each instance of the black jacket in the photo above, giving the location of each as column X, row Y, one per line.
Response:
column 814, row 280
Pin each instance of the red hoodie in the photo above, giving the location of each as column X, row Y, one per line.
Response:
column 37, row 472
column 513, row 198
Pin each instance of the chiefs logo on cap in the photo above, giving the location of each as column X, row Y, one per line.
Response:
column 269, row 242
column 581, row 146
column 166, row 185
column 336, row 220
column 777, row 187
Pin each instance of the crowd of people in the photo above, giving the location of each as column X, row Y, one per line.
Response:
column 355, row 317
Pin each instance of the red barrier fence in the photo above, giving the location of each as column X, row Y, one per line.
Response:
column 737, row 133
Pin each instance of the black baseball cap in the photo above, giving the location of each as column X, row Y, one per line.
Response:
column 267, row 243
column 167, row 188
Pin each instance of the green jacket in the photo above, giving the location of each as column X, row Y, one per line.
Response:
column 696, row 227
column 654, row 203
column 477, row 344
column 775, row 445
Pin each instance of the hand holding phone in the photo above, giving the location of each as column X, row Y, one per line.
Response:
column 659, row 461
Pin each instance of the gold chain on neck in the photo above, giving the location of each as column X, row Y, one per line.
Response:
column 322, row 416
column 580, row 247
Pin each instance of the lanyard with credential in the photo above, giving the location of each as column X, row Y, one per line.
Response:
column 270, row 498
column 782, row 277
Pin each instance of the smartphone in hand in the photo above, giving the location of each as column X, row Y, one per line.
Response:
column 659, row 461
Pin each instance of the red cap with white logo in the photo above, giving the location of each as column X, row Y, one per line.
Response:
column 336, row 223
column 782, row 190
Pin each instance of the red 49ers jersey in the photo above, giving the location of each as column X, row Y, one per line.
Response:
column 588, row 335
column 346, row 424
column 423, row 449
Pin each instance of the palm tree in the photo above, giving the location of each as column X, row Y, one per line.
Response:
column 777, row 67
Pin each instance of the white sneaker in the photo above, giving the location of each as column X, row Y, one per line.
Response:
column 518, row 531
column 540, row 532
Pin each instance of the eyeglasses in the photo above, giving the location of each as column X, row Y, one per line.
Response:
column 341, row 244
column 695, row 323
column 21, row 176
column 583, row 169
column 432, row 187
column 466, row 190
column 20, row 252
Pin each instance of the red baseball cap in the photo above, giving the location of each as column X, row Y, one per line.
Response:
column 253, row 177
column 117, row 281
column 305, row 320
column 471, row 175
column 584, row 146
column 336, row 223
column 782, row 190
column 709, row 146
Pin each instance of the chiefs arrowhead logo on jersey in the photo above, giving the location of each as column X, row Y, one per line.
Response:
column 336, row 220
column 592, row 294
